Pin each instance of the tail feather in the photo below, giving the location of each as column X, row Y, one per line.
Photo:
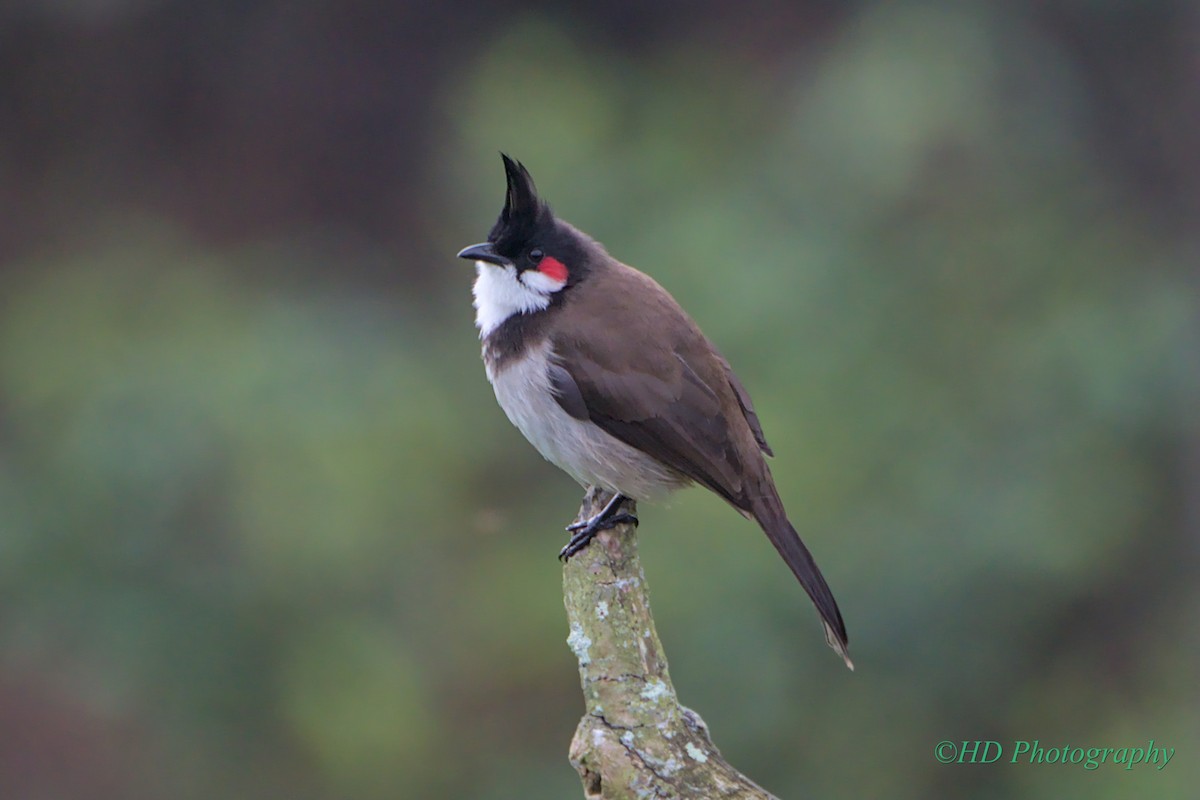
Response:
column 771, row 516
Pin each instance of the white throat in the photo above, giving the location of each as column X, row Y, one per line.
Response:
column 500, row 293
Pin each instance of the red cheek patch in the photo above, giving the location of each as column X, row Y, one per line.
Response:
column 553, row 269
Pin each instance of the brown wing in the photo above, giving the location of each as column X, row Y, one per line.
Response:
column 747, row 407
column 666, row 391
column 670, row 398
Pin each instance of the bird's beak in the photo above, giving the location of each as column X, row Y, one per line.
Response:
column 484, row 252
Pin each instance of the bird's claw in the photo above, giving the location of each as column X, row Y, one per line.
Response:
column 584, row 531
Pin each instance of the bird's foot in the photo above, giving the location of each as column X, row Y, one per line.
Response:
column 583, row 532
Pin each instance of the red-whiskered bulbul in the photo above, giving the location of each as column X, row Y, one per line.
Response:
column 615, row 384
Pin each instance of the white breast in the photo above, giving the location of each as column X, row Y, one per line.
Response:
column 581, row 449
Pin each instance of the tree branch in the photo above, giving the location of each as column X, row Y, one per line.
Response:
column 635, row 741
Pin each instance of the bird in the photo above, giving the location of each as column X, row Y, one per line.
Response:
column 611, row 381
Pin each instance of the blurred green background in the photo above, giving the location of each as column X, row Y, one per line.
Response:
column 265, row 533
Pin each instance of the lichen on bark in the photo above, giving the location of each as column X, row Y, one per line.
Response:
column 635, row 740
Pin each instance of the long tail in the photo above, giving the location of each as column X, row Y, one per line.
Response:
column 771, row 516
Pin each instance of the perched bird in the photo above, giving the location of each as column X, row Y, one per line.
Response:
column 615, row 384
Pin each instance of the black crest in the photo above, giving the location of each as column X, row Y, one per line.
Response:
column 523, row 212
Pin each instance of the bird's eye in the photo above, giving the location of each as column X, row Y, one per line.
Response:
column 535, row 255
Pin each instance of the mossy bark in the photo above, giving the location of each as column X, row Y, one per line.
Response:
column 635, row 740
